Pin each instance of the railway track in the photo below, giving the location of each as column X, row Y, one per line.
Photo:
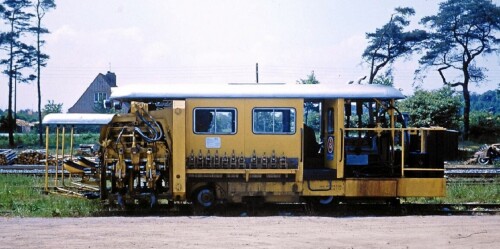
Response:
column 303, row 209
column 472, row 172
column 28, row 169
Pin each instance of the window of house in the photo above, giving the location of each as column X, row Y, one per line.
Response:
column 274, row 121
column 99, row 97
column 215, row 120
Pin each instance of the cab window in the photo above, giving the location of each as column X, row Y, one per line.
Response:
column 214, row 121
column 273, row 121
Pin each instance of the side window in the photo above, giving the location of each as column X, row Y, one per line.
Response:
column 329, row 121
column 214, row 121
column 99, row 96
column 273, row 121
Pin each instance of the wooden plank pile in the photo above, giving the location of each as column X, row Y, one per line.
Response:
column 7, row 157
column 31, row 157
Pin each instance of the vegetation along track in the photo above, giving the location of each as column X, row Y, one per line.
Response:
column 454, row 175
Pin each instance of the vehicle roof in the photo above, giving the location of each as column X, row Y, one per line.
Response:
column 77, row 119
column 142, row 92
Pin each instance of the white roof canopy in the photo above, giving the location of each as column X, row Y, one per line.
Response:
column 316, row 91
column 77, row 119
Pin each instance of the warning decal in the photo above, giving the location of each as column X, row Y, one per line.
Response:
column 329, row 148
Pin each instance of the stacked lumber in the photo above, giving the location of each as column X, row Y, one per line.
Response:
column 7, row 157
column 30, row 157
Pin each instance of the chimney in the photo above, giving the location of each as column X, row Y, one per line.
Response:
column 111, row 78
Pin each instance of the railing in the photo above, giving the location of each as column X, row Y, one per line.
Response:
column 404, row 132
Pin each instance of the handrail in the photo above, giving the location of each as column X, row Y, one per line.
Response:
column 341, row 144
column 402, row 130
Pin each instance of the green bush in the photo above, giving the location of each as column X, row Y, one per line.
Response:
column 433, row 108
column 485, row 127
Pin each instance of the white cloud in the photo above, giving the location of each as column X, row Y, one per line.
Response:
column 155, row 52
column 129, row 34
column 65, row 32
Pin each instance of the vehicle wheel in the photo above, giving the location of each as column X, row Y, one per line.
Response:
column 205, row 198
column 483, row 161
column 325, row 200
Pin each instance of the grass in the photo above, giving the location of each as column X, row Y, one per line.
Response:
column 457, row 193
column 462, row 193
column 22, row 196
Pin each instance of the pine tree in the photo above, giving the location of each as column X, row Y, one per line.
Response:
column 19, row 54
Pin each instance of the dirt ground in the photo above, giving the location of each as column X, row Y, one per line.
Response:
column 252, row 232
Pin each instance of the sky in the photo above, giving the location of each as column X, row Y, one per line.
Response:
column 217, row 42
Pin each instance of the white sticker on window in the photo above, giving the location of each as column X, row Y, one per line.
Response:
column 212, row 142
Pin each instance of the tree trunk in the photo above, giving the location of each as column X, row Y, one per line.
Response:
column 466, row 95
column 38, row 84
column 9, row 115
column 466, row 111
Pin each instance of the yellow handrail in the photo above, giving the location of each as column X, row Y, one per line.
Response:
column 423, row 132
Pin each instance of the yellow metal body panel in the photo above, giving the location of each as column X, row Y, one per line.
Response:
column 371, row 187
column 323, row 188
column 272, row 191
column 245, row 172
column 339, row 133
column 421, row 187
column 256, row 188
column 287, row 144
column 245, row 142
column 337, row 163
column 229, row 142
column 178, row 144
column 395, row 187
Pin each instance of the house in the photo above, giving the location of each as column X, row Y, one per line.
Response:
column 98, row 90
column 23, row 126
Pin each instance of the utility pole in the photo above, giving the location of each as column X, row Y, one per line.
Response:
column 257, row 72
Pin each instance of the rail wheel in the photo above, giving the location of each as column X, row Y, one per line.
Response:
column 483, row 160
column 203, row 201
column 205, row 197
column 325, row 200
column 319, row 204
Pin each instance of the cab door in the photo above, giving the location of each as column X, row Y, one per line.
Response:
column 333, row 135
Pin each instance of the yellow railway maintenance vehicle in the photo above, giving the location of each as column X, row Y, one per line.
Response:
column 235, row 143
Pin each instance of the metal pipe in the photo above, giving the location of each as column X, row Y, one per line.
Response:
column 62, row 154
column 71, row 145
column 402, row 153
column 47, row 158
column 57, row 156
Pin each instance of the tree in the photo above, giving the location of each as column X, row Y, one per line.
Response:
column 489, row 101
column 386, row 79
column 41, row 7
column 461, row 31
column 311, row 79
column 433, row 108
column 309, row 106
column 99, row 108
column 18, row 53
column 27, row 115
column 52, row 107
column 390, row 42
